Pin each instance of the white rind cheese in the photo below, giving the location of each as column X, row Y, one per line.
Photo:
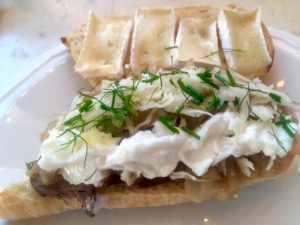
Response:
column 154, row 30
column 243, row 41
column 197, row 39
column 104, row 47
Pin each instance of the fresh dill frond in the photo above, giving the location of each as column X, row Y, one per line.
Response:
column 279, row 142
column 74, row 120
column 29, row 165
column 251, row 114
column 90, row 177
column 85, row 106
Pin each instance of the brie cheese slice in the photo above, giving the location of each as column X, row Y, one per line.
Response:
column 154, row 31
column 243, row 41
column 197, row 39
column 105, row 46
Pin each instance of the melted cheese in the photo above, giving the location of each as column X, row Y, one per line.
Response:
column 105, row 47
column 153, row 31
column 197, row 39
column 240, row 30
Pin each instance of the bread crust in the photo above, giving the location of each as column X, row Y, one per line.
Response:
column 21, row 201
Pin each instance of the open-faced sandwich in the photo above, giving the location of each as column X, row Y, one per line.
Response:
column 155, row 132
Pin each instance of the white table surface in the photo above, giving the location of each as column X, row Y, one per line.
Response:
column 28, row 28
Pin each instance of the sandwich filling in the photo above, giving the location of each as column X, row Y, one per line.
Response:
column 175, row 124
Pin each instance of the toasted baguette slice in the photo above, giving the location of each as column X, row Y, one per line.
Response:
column 74, row 43
column 197, row 36
column 246, row 44
column 154, row 30
column 20, row 201
column 104, row 47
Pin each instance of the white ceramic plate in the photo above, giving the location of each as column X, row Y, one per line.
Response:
column 48, row 88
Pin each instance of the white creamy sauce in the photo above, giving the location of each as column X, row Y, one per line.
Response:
column 156, row 153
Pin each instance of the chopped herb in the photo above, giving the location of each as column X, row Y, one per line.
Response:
column 85, row 106
column 110, row 121
column 197, row 96
column 223, row 102
column 88, row 96
column 72, row 142
column 190, row 132
column 161, row 83
column 251, row 114
column 181, row 107
column 224, row 50
column 286, row 125
column 252, row 89
column 215, row 103
column 182, row 86
column 31, row 164
column 206, row 77
column 275, row 97
column 221, row 79
column 152, row 77
column 175, row 71
column 279, row 142
column 230, row 77
column 165, row 121
column 90, row 177
column 171, row 47
column 236, row 103
column 72, row 121
column 248, row 93
column 172, row 82
column 152, row 95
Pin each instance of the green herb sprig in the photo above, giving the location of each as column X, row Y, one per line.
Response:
column 206, row 77
column 171, row 47
column 197, row 96
column 286, row 125
column 279, row 142
column 190, row 132
column 165, row 120
column 29, row 165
